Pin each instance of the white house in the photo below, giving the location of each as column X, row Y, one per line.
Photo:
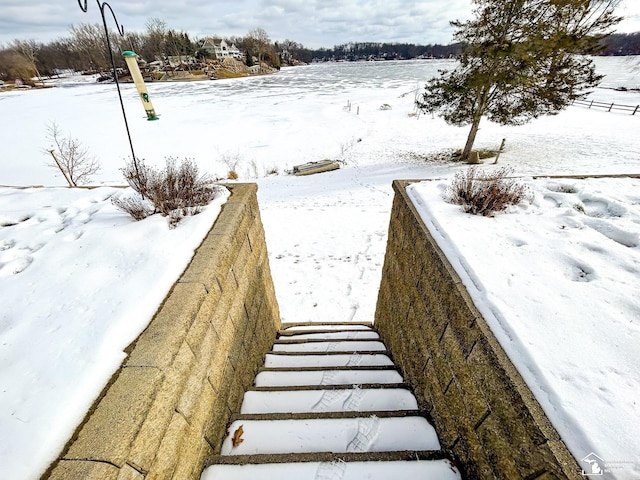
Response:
column 220, row 50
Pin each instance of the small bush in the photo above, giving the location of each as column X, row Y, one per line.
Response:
column 136, row 206
column 174, row 192
column 485, row 194
column 70, row 157
column 223, row 73
column 232, row 175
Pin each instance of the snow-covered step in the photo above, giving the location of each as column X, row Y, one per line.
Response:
column 326, row 377
column 282, row 360
column 337, row 469
column 299, row 401
column 337, row 335
column 317, row 330
column 372, row 386
column 323, row 326
column 329, row 404
column 364, row 434
column 320, row 415
column 331, row 346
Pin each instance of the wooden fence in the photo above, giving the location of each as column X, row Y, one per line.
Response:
column 608, row 106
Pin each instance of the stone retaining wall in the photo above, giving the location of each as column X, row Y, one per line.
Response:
column 484, row 413
column 165, row 411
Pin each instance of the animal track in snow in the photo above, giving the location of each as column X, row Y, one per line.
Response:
column 581, row 272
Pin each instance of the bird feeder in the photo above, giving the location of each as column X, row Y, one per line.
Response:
column 132, row 64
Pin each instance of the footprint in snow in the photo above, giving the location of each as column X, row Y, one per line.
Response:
column 73, row 236
column 613, row 232
column 7, row 244
column 16, row 266
column 517, row 242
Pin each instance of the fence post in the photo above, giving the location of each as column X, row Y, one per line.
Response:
column 634, row 112
column 591, row 104
column 610, row 108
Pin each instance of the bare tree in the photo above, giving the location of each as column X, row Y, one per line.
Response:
column 88, row 41
column 28, row 49
column 261, row 42
column 154, row 40
column 70, row 157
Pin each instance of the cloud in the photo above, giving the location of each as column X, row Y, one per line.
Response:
column 314, row 23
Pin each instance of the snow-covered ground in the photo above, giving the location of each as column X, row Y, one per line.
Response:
column 558, row 280
column 69, row 261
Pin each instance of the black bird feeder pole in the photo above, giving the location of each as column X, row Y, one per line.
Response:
column 102, row 6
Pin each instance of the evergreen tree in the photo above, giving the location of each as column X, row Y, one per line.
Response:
column 249, row 59
column 520, row 59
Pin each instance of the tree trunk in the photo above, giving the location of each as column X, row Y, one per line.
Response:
column 475, row 125
column 471, row 138
column 62, row 170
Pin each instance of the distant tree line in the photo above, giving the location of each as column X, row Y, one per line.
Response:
column 621, row 44
column 84, row 50
column 382, row 51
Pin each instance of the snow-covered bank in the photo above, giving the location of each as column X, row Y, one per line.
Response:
column 558, row 282
column 80, row 280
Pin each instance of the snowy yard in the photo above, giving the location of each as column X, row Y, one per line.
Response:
column 558, row 278
column 558, row 281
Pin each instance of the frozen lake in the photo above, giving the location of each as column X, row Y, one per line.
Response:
column 253, row 124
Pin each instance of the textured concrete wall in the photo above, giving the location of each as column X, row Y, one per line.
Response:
column 165, row 411
column 484, row 413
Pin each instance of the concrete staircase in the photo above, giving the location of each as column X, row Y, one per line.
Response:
column 329, row 405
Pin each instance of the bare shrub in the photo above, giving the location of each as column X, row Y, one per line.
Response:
column 232, row 175
column 230, row 159
column 485, row 194
column 136, row 206
column 175, row 191
column 71, row 157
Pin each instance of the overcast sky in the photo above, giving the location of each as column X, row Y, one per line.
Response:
column 314, row 23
